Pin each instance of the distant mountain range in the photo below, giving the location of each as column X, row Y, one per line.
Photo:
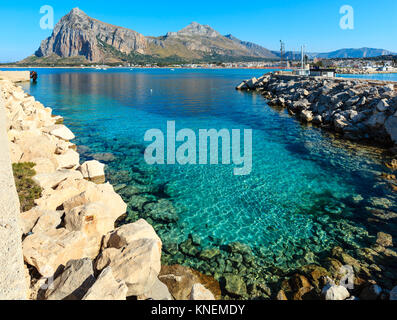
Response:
column 339, row 54
column 78, row 38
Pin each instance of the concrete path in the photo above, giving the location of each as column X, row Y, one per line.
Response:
column 13, row 284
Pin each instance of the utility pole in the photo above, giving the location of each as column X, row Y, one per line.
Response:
column 282, row 51
column 303, row 48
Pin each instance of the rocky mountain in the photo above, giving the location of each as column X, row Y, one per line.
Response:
column 77, row 35
column 253, row 47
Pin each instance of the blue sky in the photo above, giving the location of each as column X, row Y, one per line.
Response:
column 311, row 22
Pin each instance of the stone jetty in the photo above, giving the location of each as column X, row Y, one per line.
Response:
column 69, row 244
column 359, row 110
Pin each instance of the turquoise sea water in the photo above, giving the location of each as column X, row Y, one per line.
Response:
column 306, row 194
column 383, row 77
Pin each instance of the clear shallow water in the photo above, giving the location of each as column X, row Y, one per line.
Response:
column 294, row 207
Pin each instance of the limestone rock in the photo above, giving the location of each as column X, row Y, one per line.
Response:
column 62, row 132
column 307, row 116
column 138, row 264
column 199, row 292
column 93, row 170
column 52, row 180
column 70, row 159
column 35, row 145
column 251, row 83
column 93, row 219
column 46, row 251
column 159, row 292
column 73, row 282
column 334, row 292
column 29, row 218
column 180, row 281
column 103, row 193
column 49, row 220
column 15, row 152
column 67, row 189
column 106, row 287
column 43, row 165
column 129, row 233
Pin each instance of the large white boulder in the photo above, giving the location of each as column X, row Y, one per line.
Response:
column 92, row 170
column 106, row 287
column 74, row 282
column 99, row 193
column 199, row 292
column 134, row 253
column 46, row 251
column 128, row 233
column 159, row 292
column 334, row 292
column 52, row 180
column 138, row 264
column 62, row 132
column 70, row 159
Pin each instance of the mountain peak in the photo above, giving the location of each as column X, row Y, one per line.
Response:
column 77, row 11
column 197, row 29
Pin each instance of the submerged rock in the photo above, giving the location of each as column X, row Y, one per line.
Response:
column 384, row 239
column 162, row 210
column 180, row 281
column 159, row 292
column 235, row 285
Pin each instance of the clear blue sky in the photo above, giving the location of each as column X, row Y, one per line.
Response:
column 311, row 22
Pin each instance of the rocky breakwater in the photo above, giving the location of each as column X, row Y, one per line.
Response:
column 359, row 110
column 74, row 244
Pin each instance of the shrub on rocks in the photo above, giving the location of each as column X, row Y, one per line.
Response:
column 28, row 190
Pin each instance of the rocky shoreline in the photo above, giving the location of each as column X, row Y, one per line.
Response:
column 358, row 110
column 362, row 111
column 76, row 239
column 74, row 247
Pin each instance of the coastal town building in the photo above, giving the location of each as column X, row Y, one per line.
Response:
column 317, row 72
